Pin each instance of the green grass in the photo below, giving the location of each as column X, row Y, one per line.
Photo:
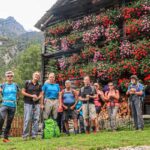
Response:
column 97, row 141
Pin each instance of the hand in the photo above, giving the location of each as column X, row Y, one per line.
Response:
column 42, row 106
column 87, row 97
column 1, row 89
column 78, row 110
column 112, row 95
column 72, row 107
column 90, row 96
column 60, row 109
column 131, row 92
column 34, row 96
column 65, row 107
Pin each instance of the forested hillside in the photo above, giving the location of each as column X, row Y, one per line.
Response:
column 17, row 46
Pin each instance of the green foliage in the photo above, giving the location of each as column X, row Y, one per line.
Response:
column 27, row 62
column 23, row 66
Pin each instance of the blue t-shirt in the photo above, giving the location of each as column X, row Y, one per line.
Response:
column 9, row 94
column 78, row 106
column 138, row 87
column 51, row 91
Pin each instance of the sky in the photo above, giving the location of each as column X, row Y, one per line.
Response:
column 26, row 12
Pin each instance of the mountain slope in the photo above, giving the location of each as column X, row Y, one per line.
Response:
column 14, row 39
column 9, row 27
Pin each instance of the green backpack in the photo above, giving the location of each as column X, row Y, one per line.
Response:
column 51, row 129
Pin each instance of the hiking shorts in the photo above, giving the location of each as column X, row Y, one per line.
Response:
column 51, row 108
column 69, row 114
column 98, row 109
column 92, row 111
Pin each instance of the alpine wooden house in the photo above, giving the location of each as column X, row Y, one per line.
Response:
column 106, row 39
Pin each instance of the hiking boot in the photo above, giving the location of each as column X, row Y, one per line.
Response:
column 0, row 134
column 25, row 138
column 94, row 129
column 140, row 129
column 68, row 133
column 33, row 137
column 82, row 132
column 114, row 130
column 76, row 132
column 87, row 130
column 6, row 140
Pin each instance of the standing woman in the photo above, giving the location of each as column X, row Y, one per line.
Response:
column 97, row 102
column 9, row 92
column 112, row 100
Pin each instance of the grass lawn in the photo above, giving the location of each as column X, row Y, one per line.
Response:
column 97, row 141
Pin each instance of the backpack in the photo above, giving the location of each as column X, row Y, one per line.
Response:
column 51, row 129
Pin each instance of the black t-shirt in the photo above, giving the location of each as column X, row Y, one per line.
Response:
column 88, row 90
column 30, row 88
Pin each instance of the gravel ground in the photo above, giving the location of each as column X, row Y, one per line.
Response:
column 133, row 148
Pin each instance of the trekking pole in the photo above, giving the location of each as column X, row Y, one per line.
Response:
column 88, row 114
column 42, row 122
column 111, row 111
column 129, row 113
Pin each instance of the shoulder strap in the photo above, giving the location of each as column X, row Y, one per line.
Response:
column 82, row 89
column 63, row 91
column 73, row 92
column 93, row 89
column 17, row 87
column 27, row 83
column 3, row 86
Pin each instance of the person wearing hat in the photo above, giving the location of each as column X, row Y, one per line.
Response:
column 135, row 92
column 68, row 100
column 9, row 91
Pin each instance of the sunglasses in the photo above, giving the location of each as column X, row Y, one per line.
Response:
column 9, row 76
column 37, row 75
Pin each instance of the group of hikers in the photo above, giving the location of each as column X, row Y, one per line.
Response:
column 80, row 105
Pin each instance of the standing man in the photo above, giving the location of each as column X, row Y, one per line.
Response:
column 32, row 96
column 68, row 97
column 9, row 91
column 87, row 94
column 50, row 92
column 135, row 91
